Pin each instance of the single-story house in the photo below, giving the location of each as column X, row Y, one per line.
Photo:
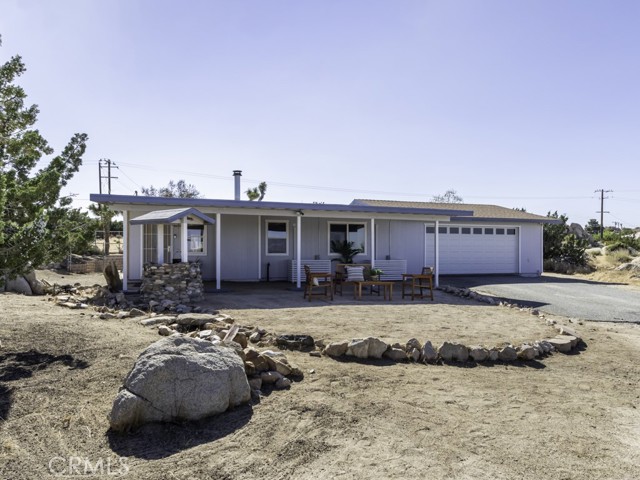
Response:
column 241, row 240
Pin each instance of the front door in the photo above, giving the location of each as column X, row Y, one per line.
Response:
column 176, row 252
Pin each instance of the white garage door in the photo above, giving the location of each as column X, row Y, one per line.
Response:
column 475, row 249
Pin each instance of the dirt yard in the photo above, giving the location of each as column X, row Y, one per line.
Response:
column 563, row 417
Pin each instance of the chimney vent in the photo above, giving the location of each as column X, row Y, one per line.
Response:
column 236, row 175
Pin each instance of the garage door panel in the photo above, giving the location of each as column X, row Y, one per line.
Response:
column 477, row 253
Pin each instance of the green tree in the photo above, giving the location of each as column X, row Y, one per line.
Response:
column 593, row 227
column 27, row 197
column 179, row 189
column 257, row 193
column 561, row 246
column 105, row 216
column 70, row 230
column 450, row 196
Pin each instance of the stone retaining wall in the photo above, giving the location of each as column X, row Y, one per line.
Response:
column 172, row 283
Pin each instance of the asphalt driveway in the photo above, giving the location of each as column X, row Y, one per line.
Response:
column 559, row 295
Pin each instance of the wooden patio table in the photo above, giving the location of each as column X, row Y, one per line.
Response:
column 387, row 286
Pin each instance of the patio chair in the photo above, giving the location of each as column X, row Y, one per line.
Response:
column 316, row 281
column 414, row 284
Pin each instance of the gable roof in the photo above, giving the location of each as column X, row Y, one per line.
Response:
column 480, row 212
column 173, row 215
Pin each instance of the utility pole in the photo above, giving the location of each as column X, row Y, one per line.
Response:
column 105, row 163
column 602, row 212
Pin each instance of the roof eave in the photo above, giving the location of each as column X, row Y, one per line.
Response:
column 309, row 207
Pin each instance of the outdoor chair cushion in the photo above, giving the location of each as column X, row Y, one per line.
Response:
column 355, row 274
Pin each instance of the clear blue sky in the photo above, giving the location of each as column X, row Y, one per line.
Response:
column 531, row 104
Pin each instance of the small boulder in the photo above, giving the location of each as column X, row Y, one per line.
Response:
column 395, row 354
column 283, row 383
column 428, row 354
column 527, row 352
column 336, row 349
column 413, row 354
column 358, row 347
column 270, row 377
column 376, row 347
column 453, row 352
column 195, row 319
column 165, row 331
column 507, row 354
column 478, row 353
column 562, row 343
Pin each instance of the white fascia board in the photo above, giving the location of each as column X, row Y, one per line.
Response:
column 278, row 213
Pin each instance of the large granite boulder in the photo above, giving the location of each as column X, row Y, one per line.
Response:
column 18, row 285
column 180, row 378
column 112, row 276
column 37, row 287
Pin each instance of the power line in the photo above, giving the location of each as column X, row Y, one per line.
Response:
column 333, row 189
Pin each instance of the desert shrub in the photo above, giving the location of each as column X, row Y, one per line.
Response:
column 617, row 246
column 561, row 246
column 558, row 266
column 620, row 256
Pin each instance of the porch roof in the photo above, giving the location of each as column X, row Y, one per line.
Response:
column 173, row 215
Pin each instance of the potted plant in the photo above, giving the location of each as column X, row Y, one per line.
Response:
column 345, row 249
column 375, row 274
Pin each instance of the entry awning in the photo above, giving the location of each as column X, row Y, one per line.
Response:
column 173, row 215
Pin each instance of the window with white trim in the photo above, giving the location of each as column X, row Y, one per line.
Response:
column 348, row 232
column 511, row 231
column 277, row 238
column 197, row 239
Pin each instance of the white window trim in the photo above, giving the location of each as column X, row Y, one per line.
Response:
column 204, row 240
column 266, row 238
column 366, row 237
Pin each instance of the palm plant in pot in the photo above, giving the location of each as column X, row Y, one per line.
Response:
column 345, row 249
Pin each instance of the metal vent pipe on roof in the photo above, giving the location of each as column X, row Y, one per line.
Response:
column 236, row 175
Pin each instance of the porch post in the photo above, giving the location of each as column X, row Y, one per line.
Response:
column 160, row 244
column 437, row 249
column 259, row 248
column 373, row 243
column 184, row 243
column 218, row 227
column 125, row 249
column 298, row 248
